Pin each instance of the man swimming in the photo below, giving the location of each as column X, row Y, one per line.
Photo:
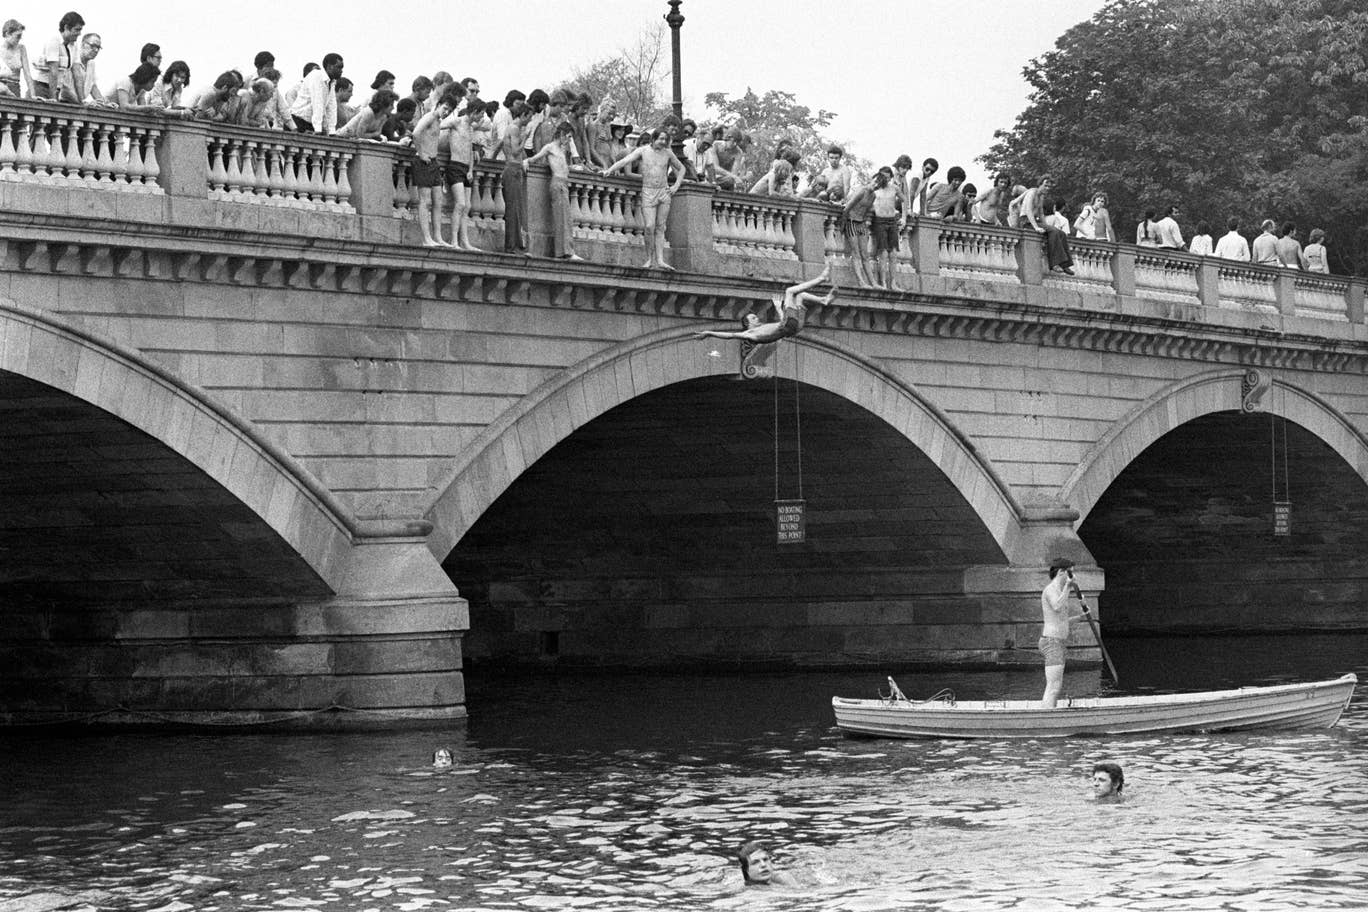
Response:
column 790, row 310
column 757, row 866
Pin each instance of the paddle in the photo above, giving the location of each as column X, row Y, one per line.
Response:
column 1087, row 613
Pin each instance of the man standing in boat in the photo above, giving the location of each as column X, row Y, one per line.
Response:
column 1054, row 609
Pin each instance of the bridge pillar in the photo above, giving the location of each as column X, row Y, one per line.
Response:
column 1354, row 298
column 809, row 233
column 1285, row 290
column 690, row 229
column 1009, row 596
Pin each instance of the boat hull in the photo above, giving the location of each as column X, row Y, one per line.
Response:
column 1283, row 707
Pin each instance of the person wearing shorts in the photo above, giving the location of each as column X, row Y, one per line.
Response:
column 1054, row 610
column 656, row 192
column 427, row 174
column 461, row 129
column 854, row 222
column 885, row 228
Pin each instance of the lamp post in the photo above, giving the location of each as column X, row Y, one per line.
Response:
column 675, row 19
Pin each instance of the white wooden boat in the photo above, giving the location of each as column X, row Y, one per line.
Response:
column 1284, row 706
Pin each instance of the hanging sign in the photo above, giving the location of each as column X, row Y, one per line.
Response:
column 1282, row 517
column 791, row 522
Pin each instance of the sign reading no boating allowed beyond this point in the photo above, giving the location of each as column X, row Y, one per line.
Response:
column 1282, row 517
column 792, row 526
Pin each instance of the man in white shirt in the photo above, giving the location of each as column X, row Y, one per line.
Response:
column 1233, row 245
column 1169, row 234
column 315, row 107
column 55, row 79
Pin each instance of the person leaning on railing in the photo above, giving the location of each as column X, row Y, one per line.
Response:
column 14, row 63
column 222, row 104
column 55, row 80
column 129, row 93
column 166, row 94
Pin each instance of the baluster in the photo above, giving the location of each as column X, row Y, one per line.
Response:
column 232, row 160
column 104, row 156
column 402, row 194
column 496, row 193
column 23, row 151
column 218, row 175
column 251, row 182
column 42, row 153
column 89, row 156
column 275, row 172
column 151, row 167
column 7, row 153
column 137, row 166
column 297, row 177
column 71, row 158
column 119, row 159
column 315, row 176
column 327, row 161
column 344, row 188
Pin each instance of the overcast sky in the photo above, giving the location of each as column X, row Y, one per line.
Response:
column 925, row 78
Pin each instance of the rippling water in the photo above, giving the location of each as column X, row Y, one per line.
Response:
column 631, row 793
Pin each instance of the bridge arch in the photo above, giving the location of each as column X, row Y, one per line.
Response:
column 41, row 347
column 1194, row 397
column 571, row 399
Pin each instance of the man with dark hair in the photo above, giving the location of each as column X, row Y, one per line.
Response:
column 1056, row 242
column 1170, row 236
column 941, row 200
column 151, row 53
column 1233, row 246
column 400, row 123
column 315, row 107
column 1289, row 248
column 55, row 79
column 914, row 191
column 557, row 155
column 790, row 311
column 1054, row 634
column 345, row 109
column 657, row 160
column 757, row 866
column 1107, row 781
column 837, row 176
column 262, row 61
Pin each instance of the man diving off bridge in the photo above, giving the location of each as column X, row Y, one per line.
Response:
column 791, row 311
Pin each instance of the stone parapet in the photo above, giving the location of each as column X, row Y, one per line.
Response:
column 142, row 169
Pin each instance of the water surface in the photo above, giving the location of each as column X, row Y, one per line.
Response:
column 633, row 792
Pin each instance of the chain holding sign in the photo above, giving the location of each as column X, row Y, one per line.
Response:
column 791, row 521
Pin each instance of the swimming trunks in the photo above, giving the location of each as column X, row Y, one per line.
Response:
column 1052, row 648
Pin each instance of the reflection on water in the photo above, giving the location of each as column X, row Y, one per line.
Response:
column 631, row 793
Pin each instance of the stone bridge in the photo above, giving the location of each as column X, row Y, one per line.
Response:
column 266, row 458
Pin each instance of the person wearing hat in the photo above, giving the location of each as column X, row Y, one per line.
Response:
column 1054, row 608
column 617, row 139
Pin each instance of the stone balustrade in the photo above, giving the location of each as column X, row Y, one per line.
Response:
column 169, row 172
column 79, row 148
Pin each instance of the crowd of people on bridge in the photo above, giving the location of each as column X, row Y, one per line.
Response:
column 568, row 131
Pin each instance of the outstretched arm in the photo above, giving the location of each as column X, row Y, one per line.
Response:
column 717, row 334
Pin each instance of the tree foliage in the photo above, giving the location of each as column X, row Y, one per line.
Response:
column 634, row 78
column 775, row 117
column 1223, row 107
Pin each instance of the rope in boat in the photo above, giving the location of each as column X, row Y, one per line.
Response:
column 895, row 695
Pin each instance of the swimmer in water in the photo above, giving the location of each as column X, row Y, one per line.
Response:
column 1107, row 781
column 789, row 309
column 441, row 758
column 757, row 867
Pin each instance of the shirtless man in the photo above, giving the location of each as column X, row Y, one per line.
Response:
column 790, row 309
column 1054, row 609
column 656, row 162
column 461, row 128
column 427, row 174
column 757, row 866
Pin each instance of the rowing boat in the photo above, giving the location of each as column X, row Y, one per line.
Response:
column 1284, row 706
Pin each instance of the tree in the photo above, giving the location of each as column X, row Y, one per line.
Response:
column 776, row 117
column 634, row 78
column 1224, row 107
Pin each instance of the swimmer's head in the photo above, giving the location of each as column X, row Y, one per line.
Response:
column 441, row 758
column 750, row 321
column 1107, row 780
column 756, row 864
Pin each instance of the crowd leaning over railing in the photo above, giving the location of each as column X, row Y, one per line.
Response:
column 565, row 130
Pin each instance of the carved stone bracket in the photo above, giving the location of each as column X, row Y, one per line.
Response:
column 1253, row 386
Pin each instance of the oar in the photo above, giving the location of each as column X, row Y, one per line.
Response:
column 1087, row 613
